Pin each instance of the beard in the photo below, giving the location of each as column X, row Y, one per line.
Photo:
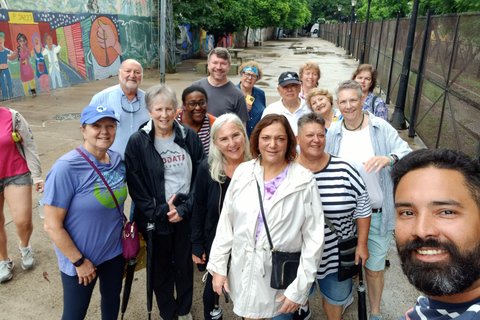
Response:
column 440, row 278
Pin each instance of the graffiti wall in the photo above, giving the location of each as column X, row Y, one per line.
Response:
column 199, row 44
column 126, row 7
column 42, row 51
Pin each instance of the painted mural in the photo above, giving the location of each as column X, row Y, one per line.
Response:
column 42, row 51
column 126, row 7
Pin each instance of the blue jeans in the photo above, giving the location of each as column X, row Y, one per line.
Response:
column 76, row 297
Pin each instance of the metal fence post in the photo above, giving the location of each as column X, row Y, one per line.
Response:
column 393, row 58
column 416, row 95
column 379, row 42
column 398, row 118
column 364, row 42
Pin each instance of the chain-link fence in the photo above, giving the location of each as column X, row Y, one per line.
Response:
column 447, row 110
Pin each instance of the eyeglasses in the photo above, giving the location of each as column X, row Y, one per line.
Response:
column 250, row 75
column 134, row 106
column 193, row 104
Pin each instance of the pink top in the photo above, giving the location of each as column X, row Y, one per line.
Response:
column 270, row 187
column 11, row 161
column 26, row 71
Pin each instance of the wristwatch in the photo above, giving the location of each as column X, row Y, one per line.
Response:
column 395, row 158
column 79, row 262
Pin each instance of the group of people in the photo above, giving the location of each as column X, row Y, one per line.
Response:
column 303, row 162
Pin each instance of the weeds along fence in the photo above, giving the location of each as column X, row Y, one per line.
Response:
column 446, row 110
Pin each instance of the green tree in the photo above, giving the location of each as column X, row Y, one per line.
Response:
column 448, row 6
column 298, row 15
column 328, row 9
column 383, row 8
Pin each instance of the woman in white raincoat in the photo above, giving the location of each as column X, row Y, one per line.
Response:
column 294, row 216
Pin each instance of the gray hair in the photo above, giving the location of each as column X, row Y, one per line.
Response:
column 160, row 92
column 216, row 159
column 310, row 118
column 221, row 53
column 349, row 84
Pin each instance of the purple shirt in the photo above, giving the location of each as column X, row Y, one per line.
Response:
column 270, row 187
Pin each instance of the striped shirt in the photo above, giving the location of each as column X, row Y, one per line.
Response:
column 204, row 132
column 430, row 309
column 344, row 198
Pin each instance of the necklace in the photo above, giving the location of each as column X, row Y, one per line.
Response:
column 363, row 118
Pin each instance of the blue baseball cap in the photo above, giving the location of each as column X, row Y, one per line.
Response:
column 93, row 113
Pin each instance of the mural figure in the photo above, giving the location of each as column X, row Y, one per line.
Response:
column 5, row 77
column 92, row 6
column 41, row 67
column 51, row 51
column 26, row 71
column 185, row 41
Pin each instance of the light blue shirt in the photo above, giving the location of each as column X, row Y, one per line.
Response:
column 131, row 114
column 385, row 141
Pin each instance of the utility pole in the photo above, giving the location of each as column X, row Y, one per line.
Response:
column 354, row 2
column 338, row 24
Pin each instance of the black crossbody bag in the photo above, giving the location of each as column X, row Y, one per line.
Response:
column 284, row 264
column 346, row 254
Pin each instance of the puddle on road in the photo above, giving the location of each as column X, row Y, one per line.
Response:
column 68, row 116
column 318, row 53
column 267, row 55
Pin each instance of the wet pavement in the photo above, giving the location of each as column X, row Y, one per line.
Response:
column 54, row 119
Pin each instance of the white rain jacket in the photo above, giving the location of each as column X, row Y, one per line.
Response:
column 295, row 221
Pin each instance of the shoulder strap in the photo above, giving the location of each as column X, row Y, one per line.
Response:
column 332, row 227
column 13, row 119
column 372, row 104
column 264, row 218
column 104, row 181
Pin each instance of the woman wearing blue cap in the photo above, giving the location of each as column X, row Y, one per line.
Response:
column 82, row 219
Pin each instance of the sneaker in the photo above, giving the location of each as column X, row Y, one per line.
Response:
column 6, row 268
column 375, row 317
column 302, row 314
column 28, row 258
column 188, row 316
column 347, row 304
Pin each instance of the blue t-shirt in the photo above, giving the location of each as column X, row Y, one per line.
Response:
column 92, row 220
column 430, row 309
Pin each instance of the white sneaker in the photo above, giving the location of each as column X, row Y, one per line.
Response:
column 6, row 268
column 188, row 316
column 28, row 258
column 347, row 304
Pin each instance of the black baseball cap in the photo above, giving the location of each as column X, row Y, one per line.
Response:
column 288, row 77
